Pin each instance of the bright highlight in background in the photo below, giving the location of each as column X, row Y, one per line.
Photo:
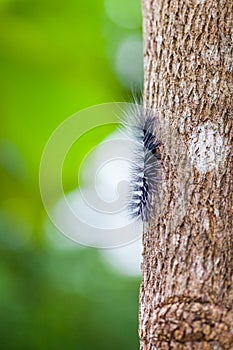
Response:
column 85, row 216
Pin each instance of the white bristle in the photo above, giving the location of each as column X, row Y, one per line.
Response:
column 146, row 165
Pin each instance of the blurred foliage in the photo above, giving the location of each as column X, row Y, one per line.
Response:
column 56, row 299
column 57, row 57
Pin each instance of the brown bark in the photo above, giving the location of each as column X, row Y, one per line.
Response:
column 187, row 292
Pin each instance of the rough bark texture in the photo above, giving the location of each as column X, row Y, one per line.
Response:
column 187, row 292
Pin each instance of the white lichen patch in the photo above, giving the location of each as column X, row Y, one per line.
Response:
column 207, row 148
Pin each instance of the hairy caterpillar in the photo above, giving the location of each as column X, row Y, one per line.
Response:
column 144, row 172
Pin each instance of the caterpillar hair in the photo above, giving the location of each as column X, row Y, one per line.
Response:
column 144, row 171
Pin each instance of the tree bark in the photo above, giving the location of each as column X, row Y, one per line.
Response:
column 187, row 292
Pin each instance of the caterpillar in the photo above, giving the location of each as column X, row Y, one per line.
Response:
column 145, row 168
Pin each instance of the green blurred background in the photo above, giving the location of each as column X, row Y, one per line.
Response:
column 57, row 57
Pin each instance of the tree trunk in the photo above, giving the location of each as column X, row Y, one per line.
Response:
column 186, row 292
